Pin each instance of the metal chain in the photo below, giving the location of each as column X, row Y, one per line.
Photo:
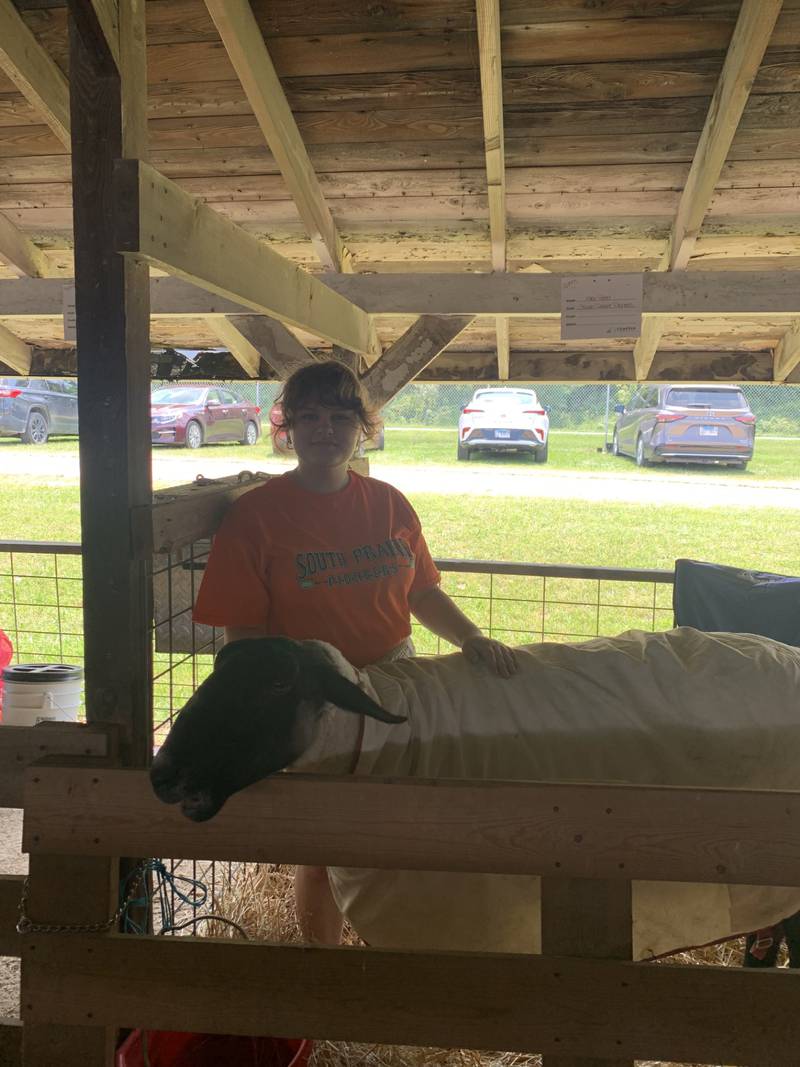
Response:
column 26, row 925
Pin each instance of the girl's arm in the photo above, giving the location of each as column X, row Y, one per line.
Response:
column 434, row 609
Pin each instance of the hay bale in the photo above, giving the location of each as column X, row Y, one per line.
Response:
column 260, row 899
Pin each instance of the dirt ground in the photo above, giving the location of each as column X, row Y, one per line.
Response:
column 629, row 486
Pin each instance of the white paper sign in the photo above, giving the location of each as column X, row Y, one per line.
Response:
column 68, row 301
column 601, row 305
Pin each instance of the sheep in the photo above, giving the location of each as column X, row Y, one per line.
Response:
column 680, row 708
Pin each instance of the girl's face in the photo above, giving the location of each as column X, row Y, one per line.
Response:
column 325, row 436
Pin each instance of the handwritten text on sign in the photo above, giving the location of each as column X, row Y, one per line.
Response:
column 601, row 305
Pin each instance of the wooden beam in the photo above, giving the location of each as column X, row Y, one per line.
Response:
column 274, row 343
column 750, row 38
column 491, row 65
column 787, row 354
column 185, row 237
column 244, row 43
column 419, row 345
column 592, row 919
column 23, row 745
column 656, row 833
column 113, row 361
column 706, row 293
column 646, row 344
column 14, row 352
column 10, row 893
column 240, row 348
column 19, row 251
column 10, row 1042
column 555, row 1005
column 503, row 347
column 34, row 72
column 107, row 13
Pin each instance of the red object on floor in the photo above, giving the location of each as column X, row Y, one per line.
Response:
column 6, row 652
column 167, row 1048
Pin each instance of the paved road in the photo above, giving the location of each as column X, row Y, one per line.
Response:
column 631, row 485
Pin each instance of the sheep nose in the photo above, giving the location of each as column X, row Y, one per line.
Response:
column 165, row 780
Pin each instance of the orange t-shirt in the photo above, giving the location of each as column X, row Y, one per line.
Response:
column 338, row 567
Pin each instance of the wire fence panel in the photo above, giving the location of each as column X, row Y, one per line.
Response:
column 41, row 611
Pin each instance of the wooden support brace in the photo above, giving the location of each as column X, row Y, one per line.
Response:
column 274, row 342
column 503, row 347
column 787, row 354
column 187, row 238
column 242, row 350
column 419, row 345
column 14, row 352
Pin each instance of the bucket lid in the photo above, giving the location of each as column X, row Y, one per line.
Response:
column 42, row 672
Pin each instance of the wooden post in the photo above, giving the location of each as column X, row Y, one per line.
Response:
column 589, row 918
column 112, row 304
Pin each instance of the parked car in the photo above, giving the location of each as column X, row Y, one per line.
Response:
column 35, row 409
column 194, row 415
column 504, row 419
column 686, row 424
column 282, row 446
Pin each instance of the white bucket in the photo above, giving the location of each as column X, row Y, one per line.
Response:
column 41, row 692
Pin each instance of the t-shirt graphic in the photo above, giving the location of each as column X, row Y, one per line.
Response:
column 362, row 563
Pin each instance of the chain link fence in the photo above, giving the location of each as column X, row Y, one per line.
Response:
column 571, row 407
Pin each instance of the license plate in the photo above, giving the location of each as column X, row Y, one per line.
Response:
column 709, row 431
column 503, row 435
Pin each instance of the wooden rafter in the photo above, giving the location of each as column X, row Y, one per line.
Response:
column 187, row 238
column 246, row 354
column 787, row 354
column 14, row 352
column 748, row 43
column 244, row 43
column 34, row 73
column 491, row 64
column 274, row 343
column 419, row 345
column 20, row 251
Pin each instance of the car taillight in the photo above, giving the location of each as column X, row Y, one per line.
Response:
column 10, row 393
column 533, row 411
column 258, row 411
column 472, row 411
column 745, row 418
column 664, row 417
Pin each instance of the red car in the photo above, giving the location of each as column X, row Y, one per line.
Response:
column 195, row 415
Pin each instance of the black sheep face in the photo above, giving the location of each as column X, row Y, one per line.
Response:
column 254, row 715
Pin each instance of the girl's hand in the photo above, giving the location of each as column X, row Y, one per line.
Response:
column 499, row 658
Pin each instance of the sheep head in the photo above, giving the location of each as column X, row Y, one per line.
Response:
column 254, row 715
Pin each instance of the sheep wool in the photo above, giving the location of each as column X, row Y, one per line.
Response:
column 681, row 708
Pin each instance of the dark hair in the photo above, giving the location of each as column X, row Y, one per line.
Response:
column 330, row 383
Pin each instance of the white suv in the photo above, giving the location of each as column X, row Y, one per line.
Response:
column 504, row 419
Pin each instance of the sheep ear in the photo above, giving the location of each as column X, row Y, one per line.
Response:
column 341, row 692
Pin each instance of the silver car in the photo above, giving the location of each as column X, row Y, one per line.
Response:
column 686, row 424
column 35, row 409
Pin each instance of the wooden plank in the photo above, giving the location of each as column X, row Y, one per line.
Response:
column 23, row 745
column 503, row 347
column 751, row 36
column 14, row 352
column 33, row 71
column 488, row 24
column 646, row 344
column 737, row 366
column 705, row 293
column 70, row 890
column 515, row 1002
column 10, row 893
column 787, row 354
column 591, row 919
column 402, row 362
column 10, row 1042
column 19, row 250
column 275, row 343
column 240, row 348
column 603, row 831
column 107, row 13
column 114, row 349
column 184, row 514
column 194, row 242
column 245, row 46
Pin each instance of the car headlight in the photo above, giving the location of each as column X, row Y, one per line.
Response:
column 162, row 420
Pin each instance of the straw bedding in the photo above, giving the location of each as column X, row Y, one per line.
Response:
column 261, row 900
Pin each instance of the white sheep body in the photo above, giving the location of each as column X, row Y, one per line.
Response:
column 681, row 708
